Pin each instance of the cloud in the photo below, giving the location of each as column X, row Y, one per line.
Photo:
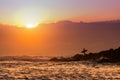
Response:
column 62, row 38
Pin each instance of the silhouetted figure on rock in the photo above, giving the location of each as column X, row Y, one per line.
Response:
column 84, row 51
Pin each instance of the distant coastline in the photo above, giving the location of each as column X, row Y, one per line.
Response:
column 106, row 56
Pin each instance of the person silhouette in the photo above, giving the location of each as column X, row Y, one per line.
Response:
column 84, row 51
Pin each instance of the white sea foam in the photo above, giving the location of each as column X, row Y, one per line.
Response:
column 20, row 70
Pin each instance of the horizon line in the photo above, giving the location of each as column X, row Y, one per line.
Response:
column 60, row 21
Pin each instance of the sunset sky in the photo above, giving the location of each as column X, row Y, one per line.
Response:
column 22, row 34
column 22, row 12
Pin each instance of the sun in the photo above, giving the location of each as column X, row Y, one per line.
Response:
column 31, row 25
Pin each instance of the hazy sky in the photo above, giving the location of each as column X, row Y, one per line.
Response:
column 57, row 39
column 36, row 11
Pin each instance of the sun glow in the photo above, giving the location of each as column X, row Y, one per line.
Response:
column 28, row 18
column 31, row 25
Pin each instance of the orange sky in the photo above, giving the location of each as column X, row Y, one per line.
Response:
column 59, row 39
column 27, row 36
